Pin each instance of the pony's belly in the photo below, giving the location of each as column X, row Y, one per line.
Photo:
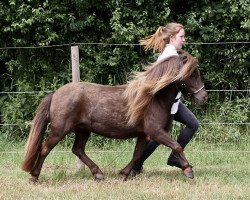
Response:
column 116, row 132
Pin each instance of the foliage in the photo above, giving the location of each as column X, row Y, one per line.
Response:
column 35, row 23
column 228, row 21
column 225, row 121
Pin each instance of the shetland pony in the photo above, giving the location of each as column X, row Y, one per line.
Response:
column 139, row 109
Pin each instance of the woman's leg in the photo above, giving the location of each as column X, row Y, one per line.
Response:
column 186, row 117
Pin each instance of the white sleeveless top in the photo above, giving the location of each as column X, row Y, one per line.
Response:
column 169, row 51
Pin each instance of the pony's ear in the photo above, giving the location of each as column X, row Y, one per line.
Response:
column 184, row 59
column 182, row 56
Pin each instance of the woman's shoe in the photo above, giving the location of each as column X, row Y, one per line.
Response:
column 173, row 160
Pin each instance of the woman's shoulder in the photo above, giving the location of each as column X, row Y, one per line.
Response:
column 170, row 48
column 169, row 51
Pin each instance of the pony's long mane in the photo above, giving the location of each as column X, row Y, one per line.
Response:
column 142, row 88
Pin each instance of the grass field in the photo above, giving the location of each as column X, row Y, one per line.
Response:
column 221, row 172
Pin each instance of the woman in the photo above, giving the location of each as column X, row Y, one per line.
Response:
column 168, row 40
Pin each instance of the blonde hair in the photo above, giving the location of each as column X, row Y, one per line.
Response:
column 161, row 37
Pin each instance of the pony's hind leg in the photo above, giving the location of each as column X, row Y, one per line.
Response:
column 79, row 150
column 47, row 146
column 139, row 148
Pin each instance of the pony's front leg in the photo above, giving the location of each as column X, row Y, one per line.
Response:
column 162, row 137
column 139, row 148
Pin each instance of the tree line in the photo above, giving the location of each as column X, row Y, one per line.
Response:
column 36, row 23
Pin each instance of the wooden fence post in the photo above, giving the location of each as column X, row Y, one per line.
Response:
column 75, row 65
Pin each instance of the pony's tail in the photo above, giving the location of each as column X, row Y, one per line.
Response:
column 36, row 133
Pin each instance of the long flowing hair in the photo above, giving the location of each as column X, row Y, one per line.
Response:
column 161, row 37
column 142, row 88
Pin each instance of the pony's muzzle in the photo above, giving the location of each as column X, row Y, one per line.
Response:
column 201, row 97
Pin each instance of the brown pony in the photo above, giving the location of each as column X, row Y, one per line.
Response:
column 139, row 109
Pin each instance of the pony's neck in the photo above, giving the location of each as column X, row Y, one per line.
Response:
column 168, row 94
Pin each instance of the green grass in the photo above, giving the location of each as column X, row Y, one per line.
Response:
column 222, row 171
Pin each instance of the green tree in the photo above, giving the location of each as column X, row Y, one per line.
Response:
column 35, row 23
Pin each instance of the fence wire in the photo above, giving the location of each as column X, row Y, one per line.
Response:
column 48, row 91
column 117, row 44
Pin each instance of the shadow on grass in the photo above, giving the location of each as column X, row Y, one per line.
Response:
column 64, row 175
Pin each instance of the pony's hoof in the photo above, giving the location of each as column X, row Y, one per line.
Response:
column 99, row 177
column 188, row 172
column 123, row 177
column 33, row 179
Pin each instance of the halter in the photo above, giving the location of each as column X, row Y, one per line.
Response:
column 198, row 89
column 189, row 94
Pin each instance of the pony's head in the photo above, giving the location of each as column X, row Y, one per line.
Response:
column 179, row 70
column 189, row 79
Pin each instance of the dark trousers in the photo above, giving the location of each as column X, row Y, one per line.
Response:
column 184, row 116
